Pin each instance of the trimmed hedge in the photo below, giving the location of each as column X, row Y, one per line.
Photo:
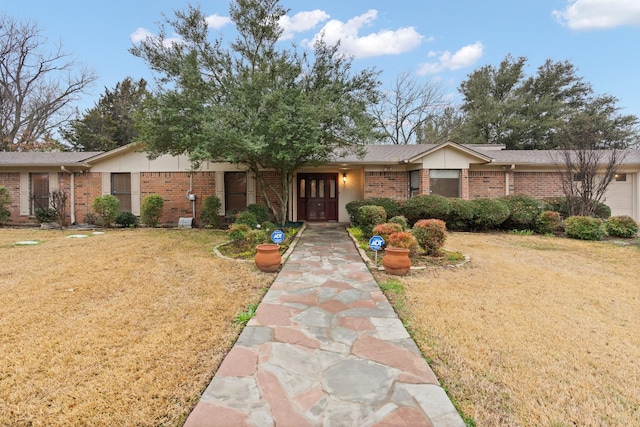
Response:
column 431, row 235
column 523, row 211
column 151, row 209
column 621, row 226
column 561, row 205
column 489, row 213
column 386, row 229
column 584, row 228
column 461, row 214
column 106, row 208
column 548, row 222
column 404, row 240
column 369, row 216
column 427, row 206
column 391, row 207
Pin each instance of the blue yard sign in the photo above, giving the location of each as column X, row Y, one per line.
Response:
column 376, row 243
column 277, row 237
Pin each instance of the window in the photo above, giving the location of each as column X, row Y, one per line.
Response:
column 414, row 183
column 621, row 177
column 121, row 188
column 445, row 182
column 235, row 191
column 39, row 191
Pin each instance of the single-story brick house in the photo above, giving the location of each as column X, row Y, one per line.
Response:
column 319, row 193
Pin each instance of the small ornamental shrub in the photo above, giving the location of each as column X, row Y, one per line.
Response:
column 523, row 211
column 353, row 207
column 602, row 211
column 126, row 219
column 548, row 222
column 106, row 209
column 210, row 213
column 247, row 218
column 260, row 211
column 584, row 228
column 370, row 216
column 45, row 215
column 431, row 235
column 151, row 209
column 562, row 205
column 489, row 213
column 429, row 206
column 621, row 226
column 5, row 202
column 256, row 237
column 238, row 232
column 461, row 214
column 404, row 240
column 391, row 207
column 400, row 220
column 386, row 229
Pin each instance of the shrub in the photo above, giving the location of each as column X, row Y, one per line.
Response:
column 59, row 205
column 106, row 209
column 523, row 211
column 401, row 220
column 386, row 229
column 353, row 207
column 489, row 213
column 260, row 211
column 268, row 226
column 151, row 209
column 461, row 214
column 126, row 219
column 430, row 206
column 430, row 235
column 210, row 213
column 247, row 218
column 404, row 240
column 238, row 232
column 584, row 228
column 561, row 205
column 256, row 237
column 45, row 215
column 548, row 222
column 5, row 202
column 621, row 226
column 369, row 216
column 391, row 207
column 91, row 218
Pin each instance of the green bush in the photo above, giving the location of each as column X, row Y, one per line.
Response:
column 431, row 235
column 5, row 202
column 400, row 220
column 489, row 213
column 151, row 209
column 391, row 207
column 210, row 213
column 621, row 226
column 247, row 218
column 126, row 219
column 238, row 232
column 584, row 228
column 561, row 205
column 257, row 236
column 461, row 214
column 45, row 215
column 106, row 209
column 404, row 240
column 260, row 211
column 548, row 222
column 524, row 211
column 369, row 216
column 268, row 226
column 429, row 206
column 386, row 229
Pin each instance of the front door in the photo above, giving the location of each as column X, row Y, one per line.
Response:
column 318, row 197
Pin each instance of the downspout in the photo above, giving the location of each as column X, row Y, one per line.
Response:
column 191, row 197
column 72, row 184
column 506, row 179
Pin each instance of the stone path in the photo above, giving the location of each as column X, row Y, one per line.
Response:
column 325, row 348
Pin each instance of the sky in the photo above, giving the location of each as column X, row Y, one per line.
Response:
column 436, row 41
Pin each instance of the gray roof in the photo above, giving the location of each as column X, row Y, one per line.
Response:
column 37, row 158
column 541, row 157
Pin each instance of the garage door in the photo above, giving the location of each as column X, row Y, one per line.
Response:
column 619, row 196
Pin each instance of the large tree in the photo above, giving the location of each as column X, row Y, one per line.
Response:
column 406, row 106
column 37, row 87
column 251, row 103
column 504, row 106
column 110, row 123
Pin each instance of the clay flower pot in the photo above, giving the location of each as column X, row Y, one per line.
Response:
column 396, row 261
column 268, row 257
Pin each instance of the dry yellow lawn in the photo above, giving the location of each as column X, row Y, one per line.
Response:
column 535, row 331
column 125, row 328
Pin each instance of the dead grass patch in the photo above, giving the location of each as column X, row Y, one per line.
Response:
column 125, row 328
column 534, row 330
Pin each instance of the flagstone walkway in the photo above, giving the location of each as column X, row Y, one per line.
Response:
column 325, row 348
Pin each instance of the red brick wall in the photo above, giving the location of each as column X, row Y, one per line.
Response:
column 88, row 187
column 394, row 185
column 538, row 184
column 486, row 184
column 11, row 181
column 425, row 182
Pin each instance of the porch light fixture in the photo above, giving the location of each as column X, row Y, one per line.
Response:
column 344, row 177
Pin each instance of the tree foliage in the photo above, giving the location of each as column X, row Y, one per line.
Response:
column 110, row 122
column 250, row 103
column 36, row 87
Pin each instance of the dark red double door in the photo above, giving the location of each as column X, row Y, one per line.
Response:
column 317, row 197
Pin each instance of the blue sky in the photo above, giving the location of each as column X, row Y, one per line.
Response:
column 441, row 41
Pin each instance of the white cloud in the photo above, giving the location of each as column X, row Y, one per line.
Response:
column 142, row 34
column 302, row 21
column 464, row 57
column 384, row 42
column 599, row 14
column 217, row 21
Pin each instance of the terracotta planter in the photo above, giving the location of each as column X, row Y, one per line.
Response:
column 396, row 261
column 268, row 257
